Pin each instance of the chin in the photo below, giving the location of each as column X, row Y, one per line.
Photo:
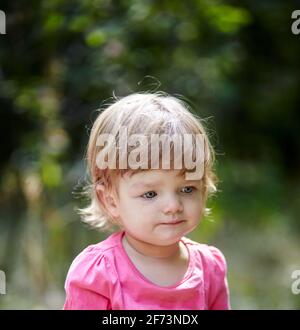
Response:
column 171, row 239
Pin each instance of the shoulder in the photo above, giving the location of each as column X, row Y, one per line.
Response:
column 211, row 257
column 212, row 263
column 93, row 260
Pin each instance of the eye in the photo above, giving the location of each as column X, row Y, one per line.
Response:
column 188, row 189
column 149, row 195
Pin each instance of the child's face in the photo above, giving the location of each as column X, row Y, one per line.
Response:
column 157, row 206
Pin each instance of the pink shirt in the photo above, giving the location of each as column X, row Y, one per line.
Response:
column 103, row 277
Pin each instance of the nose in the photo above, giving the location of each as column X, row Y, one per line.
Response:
column 172, row 205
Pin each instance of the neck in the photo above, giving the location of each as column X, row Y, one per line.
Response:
column 149, row 250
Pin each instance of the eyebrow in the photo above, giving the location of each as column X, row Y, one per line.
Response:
column 144, row 185
column 154, row 184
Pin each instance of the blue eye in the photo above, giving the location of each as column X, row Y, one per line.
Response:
column 149, row 194
column 187, row 190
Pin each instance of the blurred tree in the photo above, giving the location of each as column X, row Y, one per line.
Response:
column 234, row 61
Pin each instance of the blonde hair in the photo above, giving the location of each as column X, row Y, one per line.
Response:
column 140, row 113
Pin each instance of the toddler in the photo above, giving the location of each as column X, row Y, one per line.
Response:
column 150, row 163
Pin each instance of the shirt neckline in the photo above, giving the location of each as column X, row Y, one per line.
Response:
column 141, row 276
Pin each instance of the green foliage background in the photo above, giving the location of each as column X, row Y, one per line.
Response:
column 237, row 64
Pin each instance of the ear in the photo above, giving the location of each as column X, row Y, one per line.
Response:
column 108, row 200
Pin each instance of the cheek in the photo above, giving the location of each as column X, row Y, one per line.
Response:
column 133, row 208
column 193, row 207
column 142, row 212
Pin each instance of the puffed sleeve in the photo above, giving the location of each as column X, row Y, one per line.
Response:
column 218, row 296
column 88, row 284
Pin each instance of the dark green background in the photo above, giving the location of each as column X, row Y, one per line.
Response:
column 237, row 64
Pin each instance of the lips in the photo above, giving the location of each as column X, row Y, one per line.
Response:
column 173, row 222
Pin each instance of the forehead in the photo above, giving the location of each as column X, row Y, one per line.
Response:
column 152, row 174
column 154, row 177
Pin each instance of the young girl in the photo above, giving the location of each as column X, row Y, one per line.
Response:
column 148, row 263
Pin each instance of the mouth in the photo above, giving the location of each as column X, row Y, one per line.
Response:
column 173, row 222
